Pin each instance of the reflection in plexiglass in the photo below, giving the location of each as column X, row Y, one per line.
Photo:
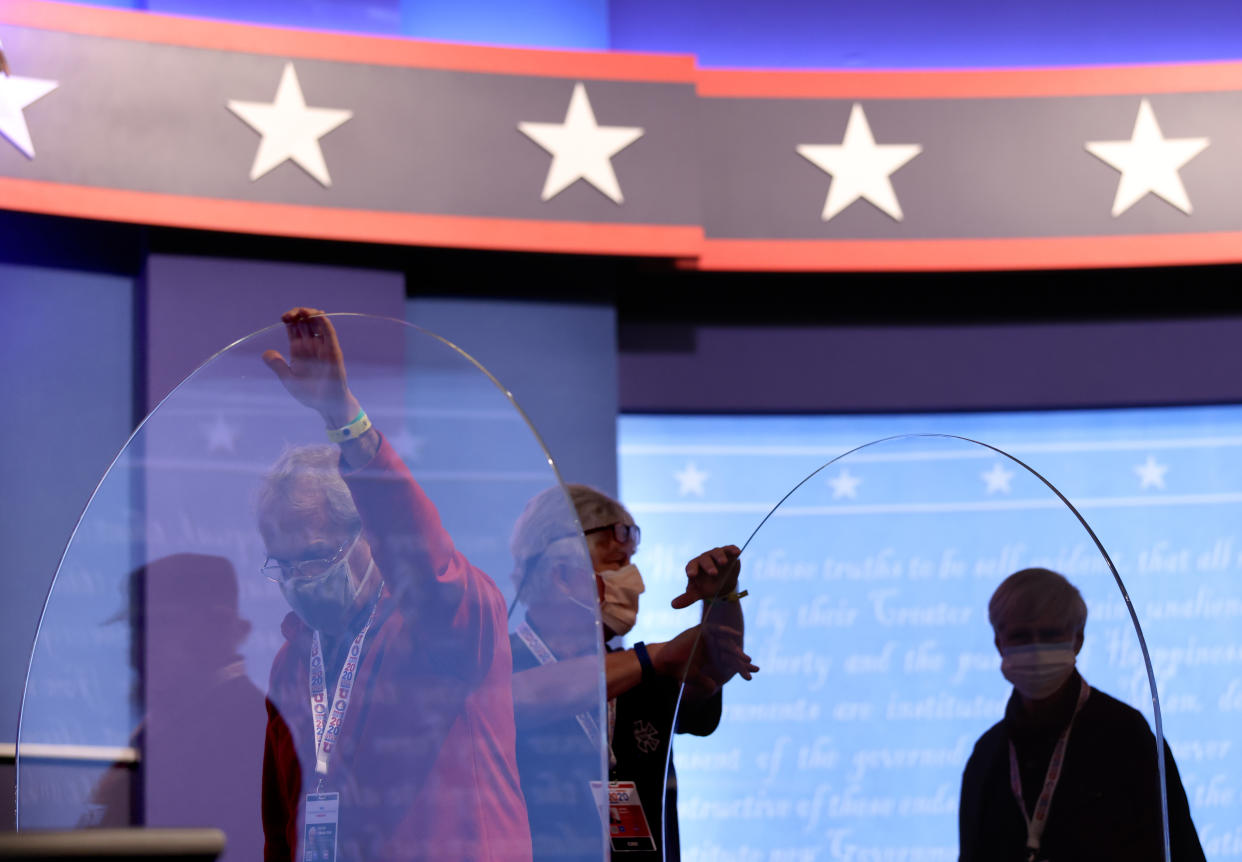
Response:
column 312, row 644
column 884, row 625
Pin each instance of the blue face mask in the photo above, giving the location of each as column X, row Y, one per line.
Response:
column 1038, row 670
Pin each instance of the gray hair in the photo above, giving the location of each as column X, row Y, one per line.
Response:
column 307, row 480
column 546, row 518
column 597, row 509
column 1037, row 594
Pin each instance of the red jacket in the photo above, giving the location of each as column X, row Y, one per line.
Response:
column 425, row 764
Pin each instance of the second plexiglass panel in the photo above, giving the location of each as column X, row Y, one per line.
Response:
column 879, row 725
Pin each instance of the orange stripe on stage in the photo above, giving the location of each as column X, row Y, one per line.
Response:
column 349, row 225
column 344, row 47
column 684, row 242
column 1087, row 252
column 971, row 84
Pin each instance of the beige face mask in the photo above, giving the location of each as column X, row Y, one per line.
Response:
column 619, row 608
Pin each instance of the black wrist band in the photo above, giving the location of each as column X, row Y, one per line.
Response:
column 644, row 658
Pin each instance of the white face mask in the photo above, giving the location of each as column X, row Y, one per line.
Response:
column 1038, row 670
column 619, row 608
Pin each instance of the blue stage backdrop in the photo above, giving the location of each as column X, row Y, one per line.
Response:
column 781, row 33
column 868, row 606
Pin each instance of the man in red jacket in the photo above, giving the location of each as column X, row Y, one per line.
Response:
column 390, row 713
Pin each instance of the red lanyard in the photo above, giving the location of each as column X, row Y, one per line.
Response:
column 1035, row 825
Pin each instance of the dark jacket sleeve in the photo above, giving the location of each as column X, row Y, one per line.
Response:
column 968, row 811
column 980, row 833
column 1184, row 844
column 282, row 779
column 699, row 716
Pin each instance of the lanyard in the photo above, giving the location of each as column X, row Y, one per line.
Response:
column 544, row 656
column 1035, row 825
column 328, row 721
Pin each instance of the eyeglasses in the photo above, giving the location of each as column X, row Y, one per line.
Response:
column 278, row 571
column 623, row 533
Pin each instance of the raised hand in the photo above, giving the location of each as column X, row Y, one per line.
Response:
column 709, row 575
column 704, row 657
column 726, row 656
column 315, row 371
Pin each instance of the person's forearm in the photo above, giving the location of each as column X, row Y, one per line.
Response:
column 623, row 671
column 725, row 628
column 725, row 613
column 554, row 691
column 359, row 451
column 545, row 693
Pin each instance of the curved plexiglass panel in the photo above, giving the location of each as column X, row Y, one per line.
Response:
column 880, row 724
column 383, row 647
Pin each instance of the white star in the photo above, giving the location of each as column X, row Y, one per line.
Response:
column 407, row 445
column 16, row 94
column 1148, row 162
column 1151, row 473
column 998, row 478
column 580, row 148
column 860, row 167
column 221, row 436
column 290, row 130
column 690, row 480
column 845, row 484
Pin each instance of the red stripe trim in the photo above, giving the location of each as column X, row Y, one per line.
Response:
column 967, row 84
column 349, row 225
column 344, row 47
column 675, row 241
column 1085, row 252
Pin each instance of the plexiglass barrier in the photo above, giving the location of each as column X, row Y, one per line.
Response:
column 385, row 646
column 883, row 723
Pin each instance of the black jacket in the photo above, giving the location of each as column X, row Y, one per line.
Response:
column 1106, row 804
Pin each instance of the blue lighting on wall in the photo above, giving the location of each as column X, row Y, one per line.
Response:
column 892, row 34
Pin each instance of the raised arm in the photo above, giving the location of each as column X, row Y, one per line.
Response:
column 712, row 578
column 415, row 555
column 315, row 376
